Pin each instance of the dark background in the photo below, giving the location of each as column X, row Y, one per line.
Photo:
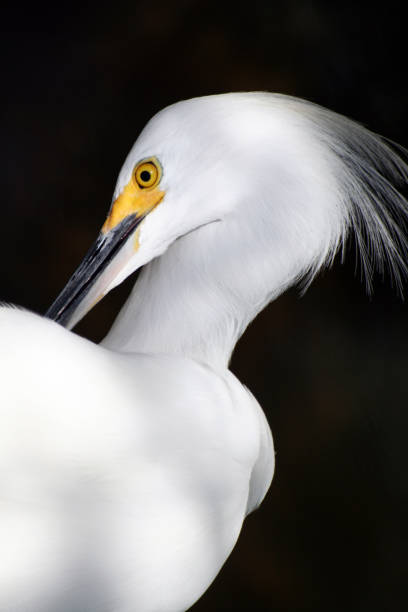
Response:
column 78, row 84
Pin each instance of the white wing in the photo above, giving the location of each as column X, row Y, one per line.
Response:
column 124, row 479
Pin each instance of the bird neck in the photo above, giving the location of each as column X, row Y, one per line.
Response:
column 197, row 299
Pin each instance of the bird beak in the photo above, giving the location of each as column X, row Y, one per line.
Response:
column 106, row 259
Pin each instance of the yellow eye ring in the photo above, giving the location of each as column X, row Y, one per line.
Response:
column 147, row 173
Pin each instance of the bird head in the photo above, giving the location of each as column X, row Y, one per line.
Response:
column 283, row 177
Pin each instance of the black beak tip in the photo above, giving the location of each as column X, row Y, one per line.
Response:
column 96, row 260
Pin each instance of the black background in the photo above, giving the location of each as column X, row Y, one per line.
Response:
column 78, row 84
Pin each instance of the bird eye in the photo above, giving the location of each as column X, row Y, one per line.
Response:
column 147, row 173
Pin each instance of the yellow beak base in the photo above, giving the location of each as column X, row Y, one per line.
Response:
column 132, row 201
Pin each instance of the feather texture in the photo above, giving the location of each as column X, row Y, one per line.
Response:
column 371, row 172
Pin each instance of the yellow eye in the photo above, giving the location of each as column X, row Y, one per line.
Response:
column 147, row 173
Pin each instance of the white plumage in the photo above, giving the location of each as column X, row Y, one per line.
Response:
column 127, row 469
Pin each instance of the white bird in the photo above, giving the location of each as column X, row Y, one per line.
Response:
column 127, row 468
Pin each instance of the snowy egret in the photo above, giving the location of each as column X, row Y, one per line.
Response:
column 128, row 468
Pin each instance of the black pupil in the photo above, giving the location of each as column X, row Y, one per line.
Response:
column 145, row 176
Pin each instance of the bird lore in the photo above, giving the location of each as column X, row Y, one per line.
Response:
column 126, row 488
